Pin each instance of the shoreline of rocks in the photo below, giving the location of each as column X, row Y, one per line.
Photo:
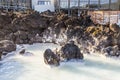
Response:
column 49, row 27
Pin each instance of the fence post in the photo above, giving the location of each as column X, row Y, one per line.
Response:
column 117, row 16
column 78, row 7
column 109, row 17
column 103, row 16
column 69, row 7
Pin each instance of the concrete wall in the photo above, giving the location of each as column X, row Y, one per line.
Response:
column 42, row 8
column 34, row 2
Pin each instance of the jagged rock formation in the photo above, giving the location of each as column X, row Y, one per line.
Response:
column 105, row 36
column 31, row 27
column 22, row 28
column 70, row 51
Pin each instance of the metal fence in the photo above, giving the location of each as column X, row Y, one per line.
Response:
column 103, row 17
column 15, row 4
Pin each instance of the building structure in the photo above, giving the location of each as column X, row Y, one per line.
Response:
column 43, row 5
column 38, row 5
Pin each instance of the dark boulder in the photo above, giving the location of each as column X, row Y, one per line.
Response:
column 71, row 51
column 7, row 46
column 22, row 52
column 51, row 58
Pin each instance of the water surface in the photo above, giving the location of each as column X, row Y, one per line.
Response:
column 17, row 67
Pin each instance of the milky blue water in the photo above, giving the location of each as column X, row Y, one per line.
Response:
column 94, row 67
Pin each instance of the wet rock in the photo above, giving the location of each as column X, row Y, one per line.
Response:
column 112, row 51
column 7, row 46
column 118, row 53
column 24, row 53
column 50, row 58
column 114, row 27
column 70, row 51
column 4, row 53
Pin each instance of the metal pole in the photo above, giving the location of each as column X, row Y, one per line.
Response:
column 99, row 6
column 118, row 3
column 59, row 5
column 78, row 7
column 88, row 4
column 109, row 4
column 68, row 7
column 17, row 3
column 29, row 4
column 25, row 3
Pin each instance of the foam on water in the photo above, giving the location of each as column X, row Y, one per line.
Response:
column 17, row 67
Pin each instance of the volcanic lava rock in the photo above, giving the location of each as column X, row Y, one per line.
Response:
column 22, row 51
column 112, row 51
column 5, row 20
column 70, row 51
column 114, row 27
column 32, row 27
column 47, row 13
column 21, row 37
column 62, row 17
column 7, row 46
column 36, row 39
column 104, row 37
column 50, row 58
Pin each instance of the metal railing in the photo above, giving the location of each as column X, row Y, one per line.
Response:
column 6, row 5
column 103, row 17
